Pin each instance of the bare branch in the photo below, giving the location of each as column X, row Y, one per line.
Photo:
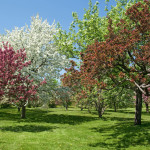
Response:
column 140, row 88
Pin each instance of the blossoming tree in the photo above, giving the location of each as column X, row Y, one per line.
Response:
column 37, row 39
column 125, row 55
column 13, row 84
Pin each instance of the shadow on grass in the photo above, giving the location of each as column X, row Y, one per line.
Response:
column 27, row 128
column 119, row 119
column 39, row 115
column 96, row 113
column 123, row 135
column 125, row 111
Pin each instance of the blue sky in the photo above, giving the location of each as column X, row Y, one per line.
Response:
column 18, row 12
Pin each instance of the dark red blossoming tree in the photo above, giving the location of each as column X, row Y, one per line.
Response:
column 125, row 55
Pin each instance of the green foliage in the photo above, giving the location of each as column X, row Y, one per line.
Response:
column 91, row 27
column 82, row 32
column 46, row 90
column 5, row 105
column 119, row 98
column 52, row 104
column 63, row 96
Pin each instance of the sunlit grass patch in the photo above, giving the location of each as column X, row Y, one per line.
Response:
column 58, row 129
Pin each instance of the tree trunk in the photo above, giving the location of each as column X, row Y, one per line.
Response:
column 115, row 107
column 81, row 106
column 138, row 107
column 96, row 107
column 66, row 106
column 89, row 111
column 147, row 109
column 100, row 109
column 99, row 112
column 23, row 113
column 18, row 109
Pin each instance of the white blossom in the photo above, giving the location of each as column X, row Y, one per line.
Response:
column 38, row 41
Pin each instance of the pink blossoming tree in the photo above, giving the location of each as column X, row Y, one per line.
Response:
column 20, row 89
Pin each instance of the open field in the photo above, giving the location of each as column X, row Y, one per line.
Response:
column 57, row 129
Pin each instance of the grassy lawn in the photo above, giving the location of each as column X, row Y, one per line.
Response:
column 57, row 129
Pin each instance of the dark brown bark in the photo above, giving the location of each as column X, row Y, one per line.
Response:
column 100, row 109
column 89, row 111
column 138, row 107
column 66, row 106
column 81, row 108
column 23, row 112
column 18, row 109
column 147, row 108
column 115, row 107
column 96, row 106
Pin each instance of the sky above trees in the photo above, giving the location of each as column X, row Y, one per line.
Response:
column 18, row 13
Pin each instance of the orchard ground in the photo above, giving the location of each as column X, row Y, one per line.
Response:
column 58, row 129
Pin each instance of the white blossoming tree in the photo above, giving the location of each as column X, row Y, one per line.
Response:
column 37, row 39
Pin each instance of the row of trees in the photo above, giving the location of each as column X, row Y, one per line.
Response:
column 118, row 61
column 112, row 56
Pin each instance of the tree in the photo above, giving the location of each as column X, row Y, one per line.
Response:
column 17, row 87
column 124, row 54
column 85, row 90
column 71, row 79
column 119, row 97
column 93, row 86
column 84, row 32
column 45, row 91
column 63, row 96
column 37, row 39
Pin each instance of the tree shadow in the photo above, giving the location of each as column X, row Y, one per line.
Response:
column 121, row 111
column 28, row 128
column 119, row 119
column 61, row 119
column 128, row 111
column 96, row 113
column 45, row 116
column 123, row 135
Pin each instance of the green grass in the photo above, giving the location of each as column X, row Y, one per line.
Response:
column 57, row 129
